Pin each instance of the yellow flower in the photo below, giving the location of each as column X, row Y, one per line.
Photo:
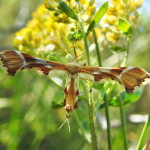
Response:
column 123, row 9
column 41, row 36
column 112, row 37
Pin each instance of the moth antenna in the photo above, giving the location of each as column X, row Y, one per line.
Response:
column 68, row 124
column 63, row 124
column 81, row 54
column 65, row 44
column 85, row 50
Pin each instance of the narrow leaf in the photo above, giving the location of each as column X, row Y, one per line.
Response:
column 97, row 17
column 125, row 27
column 117, row 49
column 48, row 5
column 67, row 10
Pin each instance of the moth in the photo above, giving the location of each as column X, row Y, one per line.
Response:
column 127, row 76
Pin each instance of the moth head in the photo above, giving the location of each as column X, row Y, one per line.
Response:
column 68, row 108
column 69, row 111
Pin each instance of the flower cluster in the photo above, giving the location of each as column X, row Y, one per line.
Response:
column 87, row 9
column 119, row 8
column 41, row 36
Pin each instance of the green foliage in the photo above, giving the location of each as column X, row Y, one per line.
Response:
column 53, row 58
column 125, row 27
column 117, row 49
column 97, row 17
column 73, row 36
column 67, row 10
column 125, row 97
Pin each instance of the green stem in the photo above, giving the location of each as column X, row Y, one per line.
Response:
column 120, row 99
column 123, row 124
column 105, row 97
column 127, row 8
column 92, row 119
column 108, row 123
column 127, row 53
column 141, row 140
column 97, row 49
column 91, row 103
column 85, row 43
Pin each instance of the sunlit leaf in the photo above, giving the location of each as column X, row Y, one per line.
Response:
column 97, row 17
column 125, row 27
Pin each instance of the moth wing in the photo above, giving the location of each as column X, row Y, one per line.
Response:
column 15, row 61
column 128, row 76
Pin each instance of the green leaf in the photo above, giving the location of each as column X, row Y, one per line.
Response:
column 55, row 104
column 48, row 5
column 126, row 98
column 117, row 49
column 97, row 17
column 97, row 86
column 125, row 27
column 72, row 36
column 67, row 10
column 52, row 58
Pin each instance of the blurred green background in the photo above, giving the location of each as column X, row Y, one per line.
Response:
column 27, row 120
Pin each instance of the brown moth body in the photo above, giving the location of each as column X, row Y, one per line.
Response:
column 71, row 97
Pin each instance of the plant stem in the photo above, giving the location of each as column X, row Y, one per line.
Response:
column 105, row 97
column 97, row 49
column 92, row 119
column 91, row 103
column 123, row 124
column 108, row 123
column 85, row 43
column 120, row 99
column 141, row 140
column 124, row 63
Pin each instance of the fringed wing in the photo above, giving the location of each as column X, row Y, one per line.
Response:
column 128, row 76
column 15, row 61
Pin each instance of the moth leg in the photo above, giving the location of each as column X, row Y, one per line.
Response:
column 77, row 92
column 65, row 90
column 66, row 84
